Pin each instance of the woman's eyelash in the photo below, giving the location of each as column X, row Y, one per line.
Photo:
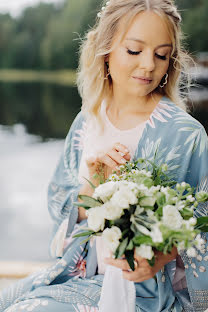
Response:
column 162, row 57
column 133, row 52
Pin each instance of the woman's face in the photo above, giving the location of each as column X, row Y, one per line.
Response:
column 143, row 53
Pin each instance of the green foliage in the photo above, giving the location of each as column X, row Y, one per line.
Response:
column 194, row 14
column 48, row 37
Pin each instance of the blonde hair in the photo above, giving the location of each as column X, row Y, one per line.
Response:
column 97, row 45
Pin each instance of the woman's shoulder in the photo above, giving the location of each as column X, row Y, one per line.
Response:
column 182, row 120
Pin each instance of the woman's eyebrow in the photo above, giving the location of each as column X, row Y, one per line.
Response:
column 141, row 41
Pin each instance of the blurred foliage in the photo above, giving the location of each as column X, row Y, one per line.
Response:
column 48, row 37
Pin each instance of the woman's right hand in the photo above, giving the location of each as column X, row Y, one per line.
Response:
column 103, row 163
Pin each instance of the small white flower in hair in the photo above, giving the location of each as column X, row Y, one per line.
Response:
column 103, row 9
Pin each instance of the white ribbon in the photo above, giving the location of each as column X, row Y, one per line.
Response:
column 118, row 294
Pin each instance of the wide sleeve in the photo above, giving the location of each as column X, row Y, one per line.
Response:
column 63, row 190
column 196, row 268
column 197, row 173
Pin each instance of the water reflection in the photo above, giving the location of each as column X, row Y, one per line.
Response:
column 46, row 110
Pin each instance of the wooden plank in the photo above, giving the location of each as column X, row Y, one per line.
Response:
column 20, row 269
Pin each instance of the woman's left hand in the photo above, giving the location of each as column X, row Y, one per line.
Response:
column 143, row 271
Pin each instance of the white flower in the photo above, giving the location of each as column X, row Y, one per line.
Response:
column 96, row 220
column 181, row 246
column 111, row 237
column 180, row 205
column 190, row 198
column 105, row 190
column 126, row 195
column 191, row 252
column 144, row 172
column 172, row 217
column 112, row 211
column 120, row 200
column 156, row 234
column 144, row 251
column 192, row 221
column 142, row 188
column 148, row 201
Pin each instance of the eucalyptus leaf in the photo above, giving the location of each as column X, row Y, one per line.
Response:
column 142, row 239
column 152, row 261
column 122, row 247
column 84, row 234
column 79, row 204
column 130, row 245
column 129, row 254
column 202, row 220
column 92, row 185
column 89, row 201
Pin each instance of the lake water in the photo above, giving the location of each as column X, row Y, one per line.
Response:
column 34, row 119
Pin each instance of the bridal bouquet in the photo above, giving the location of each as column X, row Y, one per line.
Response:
column 142, row 210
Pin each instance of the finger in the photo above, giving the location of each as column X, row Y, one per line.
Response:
column 107, row 160
column 116, row 157
column 139, row 259
column 119, row 263
column 127, row 156
column 136, row 276
column 121, row 148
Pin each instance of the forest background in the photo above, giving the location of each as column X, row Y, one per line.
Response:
column 47, row 37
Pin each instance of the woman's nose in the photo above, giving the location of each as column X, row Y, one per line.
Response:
column 147, row 61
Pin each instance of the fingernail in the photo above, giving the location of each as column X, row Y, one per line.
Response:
column 122, row 154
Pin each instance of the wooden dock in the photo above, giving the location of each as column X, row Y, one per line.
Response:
column 11, row 271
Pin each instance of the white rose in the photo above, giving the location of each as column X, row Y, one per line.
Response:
column 105, row 191
column 156, row 234
column 119, row 199
column 112, row 211
column 129, row 191
column 172, row 217
column 124, row 197
column 144, row 251
column 96, row 220
column 111, row 237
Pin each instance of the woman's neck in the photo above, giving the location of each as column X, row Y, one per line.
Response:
column 119, row 105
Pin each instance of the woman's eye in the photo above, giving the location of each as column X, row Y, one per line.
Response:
column 133, row 52
column 161, row 57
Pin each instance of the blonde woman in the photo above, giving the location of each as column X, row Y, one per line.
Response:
column 132, row 68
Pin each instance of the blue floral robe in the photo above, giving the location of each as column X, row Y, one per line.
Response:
column 72, row 282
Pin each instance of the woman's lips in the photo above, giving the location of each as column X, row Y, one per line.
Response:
column 143, row 80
